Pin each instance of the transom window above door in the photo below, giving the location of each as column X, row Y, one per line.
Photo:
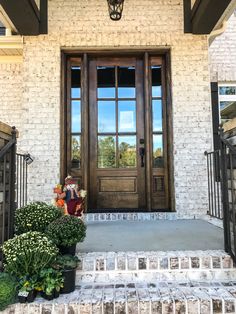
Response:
column 116, row 117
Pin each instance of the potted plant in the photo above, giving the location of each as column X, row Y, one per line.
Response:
column 66, row 232
column 8, row 290
column 67, row 264
column 27, row 291
column 35, row 217
column 28, row 253
column 51, row 282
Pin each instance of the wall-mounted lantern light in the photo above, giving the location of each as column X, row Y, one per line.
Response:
column 115, row 8
column 28, row 159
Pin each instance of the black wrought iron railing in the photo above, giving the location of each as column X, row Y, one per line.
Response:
column 7, row 186
column 13, row 183
column 228, row 183
column 21, row 179
column 214, row 184
column 221, row 169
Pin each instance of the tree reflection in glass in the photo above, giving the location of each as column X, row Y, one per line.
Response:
column 158, row 160
column 127, row 151
column 106, row 152
column 75, row 151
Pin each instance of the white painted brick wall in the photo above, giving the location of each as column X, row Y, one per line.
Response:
column 222, row 54
column 147, row 24
column 11, row 94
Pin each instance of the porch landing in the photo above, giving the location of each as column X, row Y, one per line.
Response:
column 159, row 235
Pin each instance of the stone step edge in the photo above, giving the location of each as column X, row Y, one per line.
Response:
column 139, row 300
column 148, row 216
column 139, row 261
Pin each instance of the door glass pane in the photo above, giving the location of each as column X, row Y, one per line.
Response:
column 106, row 82
column 106, row 151
column 106, row 116
column 75, row 82
column 126, row 82
column 227, row 90
column 127, row 116
column 158, row 160
column 75, row 116
column 156, row 81
column 224, row 104
column 157, row 115
column 127, row 151
column 75, row 151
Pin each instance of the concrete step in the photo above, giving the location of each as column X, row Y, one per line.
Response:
column 147, row 266
column 139, row 298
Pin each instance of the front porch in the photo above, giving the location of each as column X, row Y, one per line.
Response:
column 151, row 235
column 121, row 271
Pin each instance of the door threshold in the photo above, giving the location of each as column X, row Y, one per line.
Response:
column 125, row 210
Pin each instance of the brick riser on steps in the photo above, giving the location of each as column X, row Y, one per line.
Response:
column 138, row 299
column 140, row 261
column 116, row 277
column 179, row 265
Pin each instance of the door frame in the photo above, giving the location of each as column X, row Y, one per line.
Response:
column 84, row 54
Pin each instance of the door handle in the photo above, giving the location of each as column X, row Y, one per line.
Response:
column 142, row 154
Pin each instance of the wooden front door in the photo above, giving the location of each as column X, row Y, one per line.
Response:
column 117, row 169
column 116, row 135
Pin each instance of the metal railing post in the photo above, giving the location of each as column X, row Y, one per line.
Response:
column 12, row 206
column 224, row 194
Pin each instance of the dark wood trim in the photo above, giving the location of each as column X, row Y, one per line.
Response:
column 63, row 147
column 88, row 142
column 187, row 16
column 43, row 26
column 170, row 138
column 215, row 114
column 68, row 118
column 148, row 132
column 165, row 132
column 206, row 14
column 24, row 15
column 93, row 131
column 140, row 131
column 85, row 123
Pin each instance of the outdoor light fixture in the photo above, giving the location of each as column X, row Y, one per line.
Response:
column 115, row 8
column 28, row 159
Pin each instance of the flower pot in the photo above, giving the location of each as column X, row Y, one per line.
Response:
column 67, row 249
column 32, row 295
column 55, row 294
column 47, row 296
column 22, row 299
column 69, row 280
column 29, row 297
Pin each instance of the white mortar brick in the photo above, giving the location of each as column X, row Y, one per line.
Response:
column 146, row 24
column 222, row 54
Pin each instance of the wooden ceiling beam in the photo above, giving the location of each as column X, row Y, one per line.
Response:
column 26, row 16
column 206, row 14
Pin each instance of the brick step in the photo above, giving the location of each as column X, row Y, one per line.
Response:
column 141, row 216
column 172, row 265
column 139, row 298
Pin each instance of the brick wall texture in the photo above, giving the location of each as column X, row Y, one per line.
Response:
column 222, row 54
column 31, row 91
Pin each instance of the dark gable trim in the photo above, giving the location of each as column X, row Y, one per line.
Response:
column 206, row 14
column 215, row 114
column 187, row 16
column 26, row 17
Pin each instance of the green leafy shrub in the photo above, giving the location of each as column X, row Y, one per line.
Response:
column 66, row 230
column 28, row 253
column 7, row 290
column 65, row 262
column 50, row 280
column 35, row 217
